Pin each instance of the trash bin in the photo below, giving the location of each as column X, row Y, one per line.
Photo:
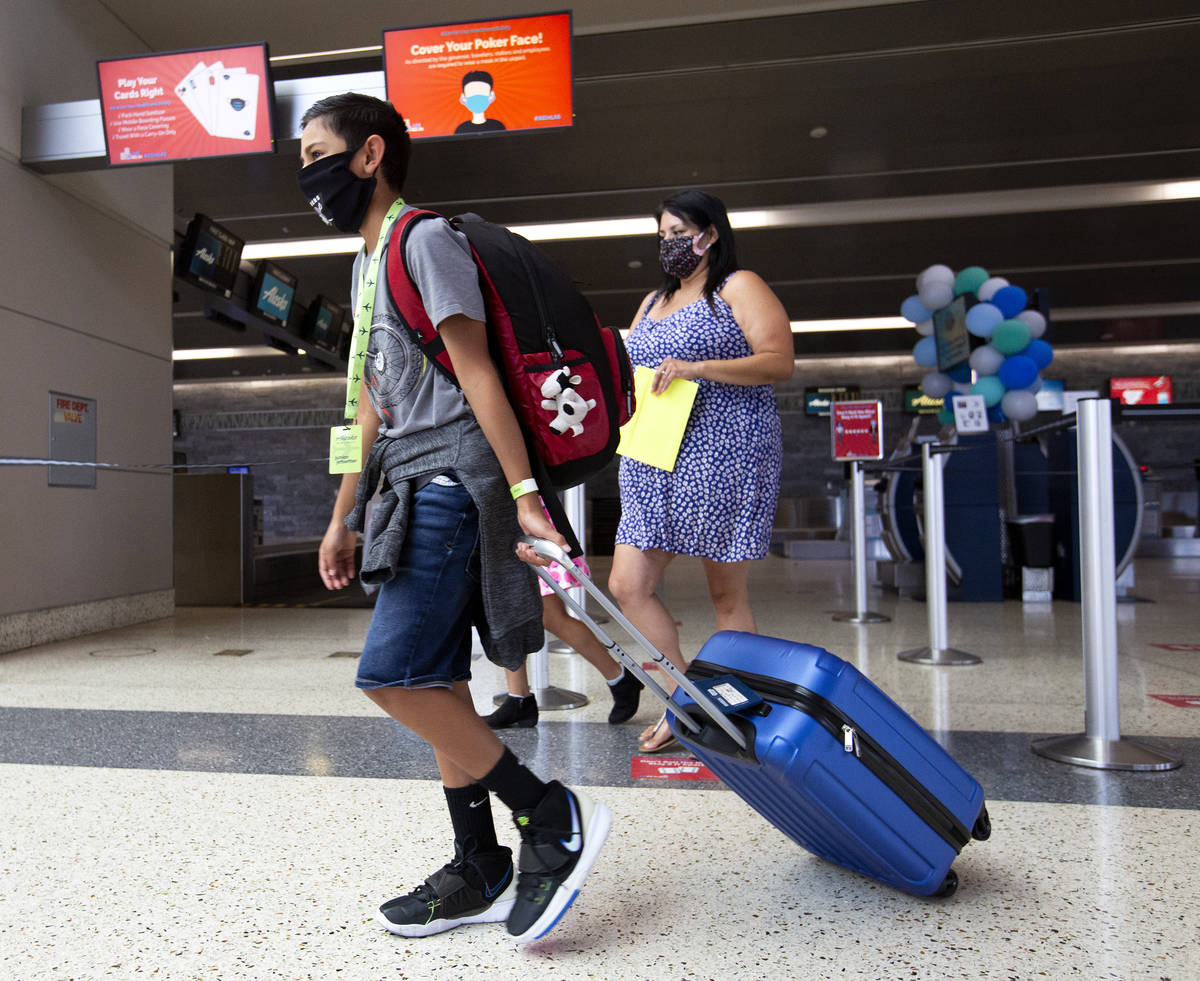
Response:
column 1032, row 538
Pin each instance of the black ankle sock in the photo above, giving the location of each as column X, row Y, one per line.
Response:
column 471, row 815
column 516, row 786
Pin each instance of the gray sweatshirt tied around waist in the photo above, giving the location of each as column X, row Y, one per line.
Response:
column 510, row 620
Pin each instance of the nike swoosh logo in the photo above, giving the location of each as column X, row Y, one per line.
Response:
column 477, row 803
column 491, row 891
column 575, row 842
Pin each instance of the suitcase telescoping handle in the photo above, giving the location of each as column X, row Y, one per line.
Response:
column 549, row 550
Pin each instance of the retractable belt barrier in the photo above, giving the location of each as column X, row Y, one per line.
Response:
column 160, row 469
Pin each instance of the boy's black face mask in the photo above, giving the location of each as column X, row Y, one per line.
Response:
column 338, row 195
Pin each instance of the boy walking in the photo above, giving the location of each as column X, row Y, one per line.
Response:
column 457, row 494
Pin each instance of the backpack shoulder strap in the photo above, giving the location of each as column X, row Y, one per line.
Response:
column 406, row 298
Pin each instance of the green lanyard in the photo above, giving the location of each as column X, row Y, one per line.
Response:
column 364, row 310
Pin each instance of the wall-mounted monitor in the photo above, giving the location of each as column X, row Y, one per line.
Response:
column 343, row 345
column 323, row 323
column 273, row 293
column 917, row 403
column 1141, row 390
column 479, row 77
column 207, row 102
column 209, row 255
column 818, row 400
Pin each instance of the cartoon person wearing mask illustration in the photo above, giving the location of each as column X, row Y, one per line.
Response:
column 477, row 96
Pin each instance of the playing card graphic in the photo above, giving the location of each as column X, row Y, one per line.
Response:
column 191, row 94
column 223, row 100
column 237, row 105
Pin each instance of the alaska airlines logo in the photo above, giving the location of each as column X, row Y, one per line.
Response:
column 203, row 255
column 274, row 298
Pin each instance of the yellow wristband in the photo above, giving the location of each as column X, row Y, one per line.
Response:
column 526, row 486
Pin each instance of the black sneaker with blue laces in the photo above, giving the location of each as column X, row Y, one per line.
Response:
column 560, row 839
column 475, row 887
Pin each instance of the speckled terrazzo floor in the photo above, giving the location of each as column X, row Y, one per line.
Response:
column 178, row 814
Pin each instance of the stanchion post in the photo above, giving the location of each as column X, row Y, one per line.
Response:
column 858, row 552
column 1100, row 746
column 938, row 651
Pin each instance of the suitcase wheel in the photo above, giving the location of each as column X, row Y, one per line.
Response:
column 948, row 887
column 983, row 827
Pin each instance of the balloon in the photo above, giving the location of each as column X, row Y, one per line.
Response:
column 996, row 414
column 969, row 280
column 1040, row 353
column 1019, row 406
column 1010, row 337
column 1011, row 300
column 936, row 385
column 1019, row 371
column 925, row 352
column 983, row 318
column 913, row 311
column 935, row 274
column 986, row 360
column 1036, row 386
column 989, row 287
column 1034, row 321
column 960, row 373
column 963, row 387
column 946, row 417
column 925, row 327
column 935, row 294
column 990, row 387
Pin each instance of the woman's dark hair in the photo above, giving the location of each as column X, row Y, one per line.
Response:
column 703, row 210
column 354, row 116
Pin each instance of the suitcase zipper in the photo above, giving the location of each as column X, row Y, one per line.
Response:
column 874, row 757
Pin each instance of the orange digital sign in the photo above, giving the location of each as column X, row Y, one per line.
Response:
column 494, row 76
column 214, row 102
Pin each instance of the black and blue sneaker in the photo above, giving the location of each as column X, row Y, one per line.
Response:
column 560, row 839
column 476, row 887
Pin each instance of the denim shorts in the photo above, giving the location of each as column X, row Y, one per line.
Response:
column 420, row 634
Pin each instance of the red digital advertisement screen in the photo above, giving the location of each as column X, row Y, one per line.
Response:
column 490, row 76
column 214, row 102
column 1144, row 390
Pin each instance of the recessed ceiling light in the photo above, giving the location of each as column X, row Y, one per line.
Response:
column 818, row 132
column 635, row 263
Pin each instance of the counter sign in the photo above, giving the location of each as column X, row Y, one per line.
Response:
column 856, row 430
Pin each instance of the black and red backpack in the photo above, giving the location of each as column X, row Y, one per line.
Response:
column 568, row 378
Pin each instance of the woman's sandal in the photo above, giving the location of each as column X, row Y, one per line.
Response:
column 660, row 747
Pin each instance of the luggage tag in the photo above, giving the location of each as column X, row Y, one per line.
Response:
column 731, row 694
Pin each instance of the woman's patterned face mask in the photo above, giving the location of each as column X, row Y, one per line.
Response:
column 678, row 256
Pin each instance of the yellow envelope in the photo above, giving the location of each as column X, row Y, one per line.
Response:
column 654, row 433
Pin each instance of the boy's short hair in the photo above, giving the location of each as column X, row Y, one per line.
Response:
column 354, row 116
column 477, row 76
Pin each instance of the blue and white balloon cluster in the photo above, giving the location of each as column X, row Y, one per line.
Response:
column 1008, row 367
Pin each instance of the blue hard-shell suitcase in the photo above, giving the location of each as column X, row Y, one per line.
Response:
column 819, row 750
column 836, row 765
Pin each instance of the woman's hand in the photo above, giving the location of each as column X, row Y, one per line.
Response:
column 335, row 559
column 533, row 521
column 672, row 368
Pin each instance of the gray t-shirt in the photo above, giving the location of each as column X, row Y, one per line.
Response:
column 407, row 392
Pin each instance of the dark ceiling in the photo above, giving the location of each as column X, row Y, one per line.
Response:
column 937, row 100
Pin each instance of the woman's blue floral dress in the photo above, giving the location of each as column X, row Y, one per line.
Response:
column 719, row 503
